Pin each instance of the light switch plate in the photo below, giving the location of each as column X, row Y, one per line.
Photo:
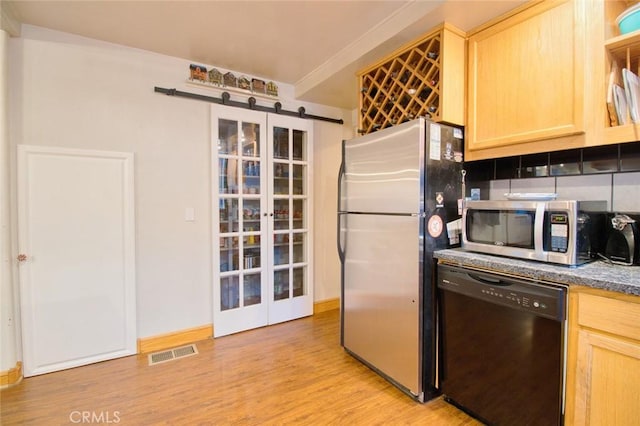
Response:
column 189, row 214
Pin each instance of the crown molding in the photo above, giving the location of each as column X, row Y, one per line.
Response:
column 8, row 21
column 350, row 57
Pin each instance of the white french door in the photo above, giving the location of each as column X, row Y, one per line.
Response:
column 77, row 272
column 239, row 220
column 261, row 220
column 290, row 290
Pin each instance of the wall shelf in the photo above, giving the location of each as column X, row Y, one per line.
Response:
column 211, row 86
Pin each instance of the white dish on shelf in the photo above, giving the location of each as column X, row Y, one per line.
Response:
column 531, row 196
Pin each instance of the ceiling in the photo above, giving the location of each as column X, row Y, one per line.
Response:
column 315, row 45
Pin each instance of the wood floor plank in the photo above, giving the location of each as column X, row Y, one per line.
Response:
column 293, row 373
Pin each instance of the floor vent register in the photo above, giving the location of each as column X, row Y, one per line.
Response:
column 172, row 354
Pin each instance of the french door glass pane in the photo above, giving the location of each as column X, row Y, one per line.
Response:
column 229, row 293
column 281, row 249
column 227, row 137
column 281, row 284
column 281, row 214
column 299, row 216
column 250, row 216
column 251, row 251
column 281, row 143
column 299, row 247
column 299, row 284
column 228, row 176
column 251, row 177
column 299, row 145
column 252, row 294
column 228, row 208
column 298, row 179
column 229, row 254
column 280, row 178
column 250, row 139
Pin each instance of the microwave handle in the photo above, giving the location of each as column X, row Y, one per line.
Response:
column 538, row 230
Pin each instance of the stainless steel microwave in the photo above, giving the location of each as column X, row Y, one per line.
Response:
column 555, row 231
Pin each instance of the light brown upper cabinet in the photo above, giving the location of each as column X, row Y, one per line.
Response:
column 534, row 81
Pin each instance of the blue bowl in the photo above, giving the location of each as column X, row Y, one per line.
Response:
column 629, row 20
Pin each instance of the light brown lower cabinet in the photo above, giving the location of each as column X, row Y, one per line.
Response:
column 603, row 362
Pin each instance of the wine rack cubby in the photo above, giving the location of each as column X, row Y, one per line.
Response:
column 423, row 78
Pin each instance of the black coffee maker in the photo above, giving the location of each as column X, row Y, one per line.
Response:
column 623, row 241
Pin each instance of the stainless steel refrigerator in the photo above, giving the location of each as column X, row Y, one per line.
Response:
column 399, row 199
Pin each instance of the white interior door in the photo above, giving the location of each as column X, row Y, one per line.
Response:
column 239, row 220
column 290, row 220
column 77, row 284
column 261, row 172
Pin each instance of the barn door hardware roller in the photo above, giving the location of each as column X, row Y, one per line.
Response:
column 225, row 99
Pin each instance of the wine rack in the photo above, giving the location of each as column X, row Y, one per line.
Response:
column 412, row 81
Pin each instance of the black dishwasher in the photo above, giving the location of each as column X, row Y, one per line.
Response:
column 502, row 343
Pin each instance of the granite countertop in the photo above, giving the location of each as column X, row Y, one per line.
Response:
column 598, row 274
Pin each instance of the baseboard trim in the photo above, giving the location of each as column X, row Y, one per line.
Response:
column 11, row 376
column 171, row 340
column 326, row 305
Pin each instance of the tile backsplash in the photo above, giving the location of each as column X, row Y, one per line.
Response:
column 626, row 192
column 610, row 173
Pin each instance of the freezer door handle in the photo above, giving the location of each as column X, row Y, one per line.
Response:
column 340, row 213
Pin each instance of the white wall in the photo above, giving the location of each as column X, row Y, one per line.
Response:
column 8, row 343
column 75, row 92
column 327, row 158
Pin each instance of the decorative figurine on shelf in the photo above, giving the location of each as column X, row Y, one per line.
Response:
column 272, row 89
column 257, row 85
column 230, row 80
column 244, row 83
column 215, row 77
column 198, row 72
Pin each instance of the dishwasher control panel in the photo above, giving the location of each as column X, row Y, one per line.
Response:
column 535, row 297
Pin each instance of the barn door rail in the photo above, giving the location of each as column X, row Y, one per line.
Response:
column 225, row 99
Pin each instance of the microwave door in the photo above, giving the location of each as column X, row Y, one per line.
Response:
column 511, row 230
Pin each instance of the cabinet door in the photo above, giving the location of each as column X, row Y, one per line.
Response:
column 608, row 383
column 526, row 77
column 290, row 289
column 239, row 220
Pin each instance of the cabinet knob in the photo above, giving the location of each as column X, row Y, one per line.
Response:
column 22, row 258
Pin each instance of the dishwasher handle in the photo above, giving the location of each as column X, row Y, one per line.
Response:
column 489, row 280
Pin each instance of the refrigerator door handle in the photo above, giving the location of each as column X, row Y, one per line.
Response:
column 341, row 251
column 340, row 213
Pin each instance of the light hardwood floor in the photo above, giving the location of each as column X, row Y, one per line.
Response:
column 293, row 373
